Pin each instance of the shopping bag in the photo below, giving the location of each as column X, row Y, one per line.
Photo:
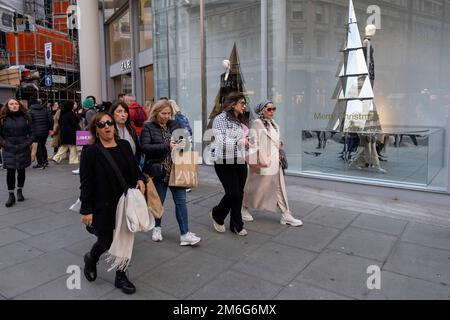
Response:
column 153, row 201
column 184, row 171
column 76, row 206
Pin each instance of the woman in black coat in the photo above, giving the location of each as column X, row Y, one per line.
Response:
column 68, row 124
column 15, row 139
column 157, row 143
column 101, row 190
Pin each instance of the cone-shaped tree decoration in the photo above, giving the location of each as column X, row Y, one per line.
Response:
column 355, row 108
column 233, row 82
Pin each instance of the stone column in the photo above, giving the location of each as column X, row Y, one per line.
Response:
column 89, row 44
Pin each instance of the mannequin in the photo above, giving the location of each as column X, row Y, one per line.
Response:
column 368, row 52
column 229, row 81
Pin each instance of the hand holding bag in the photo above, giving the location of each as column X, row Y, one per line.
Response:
column 184, row 171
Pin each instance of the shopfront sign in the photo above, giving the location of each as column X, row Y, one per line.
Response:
column 125, row 65
column 82, row 138
column 59, row 79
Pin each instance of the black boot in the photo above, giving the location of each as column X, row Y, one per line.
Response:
column 90, row 267
column 123, row 283
column 20, row 197
column 11, row 200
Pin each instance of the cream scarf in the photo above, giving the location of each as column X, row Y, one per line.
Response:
column 132, row 215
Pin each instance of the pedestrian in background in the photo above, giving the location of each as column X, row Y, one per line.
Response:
column 228, row 151
column 15, row 139
column 265, row 188
column 101, row 190
column 41, row 126
column 157, row 145
column 56, row 141
column 68, row 124
column 121, row 115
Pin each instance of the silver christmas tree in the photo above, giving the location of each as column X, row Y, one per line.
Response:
column 355, row 109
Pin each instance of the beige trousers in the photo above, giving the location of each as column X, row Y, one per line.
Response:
column 73, row 157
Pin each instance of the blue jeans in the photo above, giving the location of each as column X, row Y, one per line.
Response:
column 179, row 198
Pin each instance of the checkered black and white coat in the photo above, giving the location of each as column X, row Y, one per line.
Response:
column 228, row 133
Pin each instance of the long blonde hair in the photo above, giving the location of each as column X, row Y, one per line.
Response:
column 157, row 108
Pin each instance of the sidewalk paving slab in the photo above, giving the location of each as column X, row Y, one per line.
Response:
column 331, row 217
column 185, row 274
column 58, row 290
column 399, row 287
column 275, row 262
column 58, row 238
column 339, row 273
column 23, row 277
column 364, row 243
column 310, row 236
column 427, row 235
column 16, row 253
column 380, row 224
column 302, row 291
column 143, row 292
column 23, row 216
column 11, row 235
column 48, row 223
column 231, row 285
column 420, row 262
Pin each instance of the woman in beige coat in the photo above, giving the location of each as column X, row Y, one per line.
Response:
column 265, row 188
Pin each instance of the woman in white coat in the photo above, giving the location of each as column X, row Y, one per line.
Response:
column 265, row 188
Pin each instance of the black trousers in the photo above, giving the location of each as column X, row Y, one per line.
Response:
column 104, row 241
column 11, row 178
column 41, row 154
column 232, row 177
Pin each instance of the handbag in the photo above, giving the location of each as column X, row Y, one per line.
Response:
column 184, row 171
column 283, row 159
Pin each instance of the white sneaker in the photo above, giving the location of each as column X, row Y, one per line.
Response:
column 76, row 171
column 246, row 216
column 243, row 232
column 188, row 190
column 189, row 239
column 157, row 235
column 288, row 219
column 219, row 228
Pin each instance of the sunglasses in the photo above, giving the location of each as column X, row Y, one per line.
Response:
column 102, row 124
column 271, row 109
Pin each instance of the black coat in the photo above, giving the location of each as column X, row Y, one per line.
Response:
column 100, row 187
column 16, row 139
column 41, row 120
column 69, row 124
column 153, row 146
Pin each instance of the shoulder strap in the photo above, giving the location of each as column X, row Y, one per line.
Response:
column 114, row 166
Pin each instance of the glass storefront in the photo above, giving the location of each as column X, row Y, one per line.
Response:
column 110, row 7
column 120, row 38
column 123, row 84
column 148, row 83
column 296, row 68
column 145, row 25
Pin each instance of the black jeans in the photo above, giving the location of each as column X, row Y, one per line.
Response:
column 11, row 178
column 41, row 154
column 104, row 241
column 232, row 177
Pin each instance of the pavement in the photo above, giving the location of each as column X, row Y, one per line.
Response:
column 334, row 255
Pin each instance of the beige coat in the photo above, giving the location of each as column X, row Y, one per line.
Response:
column 56, row 139
column 260, row 190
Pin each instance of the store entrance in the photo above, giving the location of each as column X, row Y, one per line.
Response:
column 148, row 83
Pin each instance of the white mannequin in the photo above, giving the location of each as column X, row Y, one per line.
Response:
column 227, row 65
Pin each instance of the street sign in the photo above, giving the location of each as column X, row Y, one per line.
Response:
column 48, row 53
column 59, row 79
column 48, row 81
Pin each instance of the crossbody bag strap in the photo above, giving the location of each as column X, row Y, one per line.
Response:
column 115, row 168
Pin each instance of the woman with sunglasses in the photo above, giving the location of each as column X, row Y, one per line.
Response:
column 228, row 153
column 101, row 190
column 121, row 115
column 265, row 188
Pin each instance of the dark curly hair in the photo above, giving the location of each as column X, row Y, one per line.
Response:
column 4, row 111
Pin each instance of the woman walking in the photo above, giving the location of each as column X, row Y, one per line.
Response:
column 228, row 151
column 265, row 188
column 101, row 190
column 157, row 145
column 68, row 124
column 15, row 140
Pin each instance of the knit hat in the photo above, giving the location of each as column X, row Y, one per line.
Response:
column 88, row 103
column 262, row 105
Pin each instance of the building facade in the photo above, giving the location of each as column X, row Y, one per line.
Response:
column 289, row 52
